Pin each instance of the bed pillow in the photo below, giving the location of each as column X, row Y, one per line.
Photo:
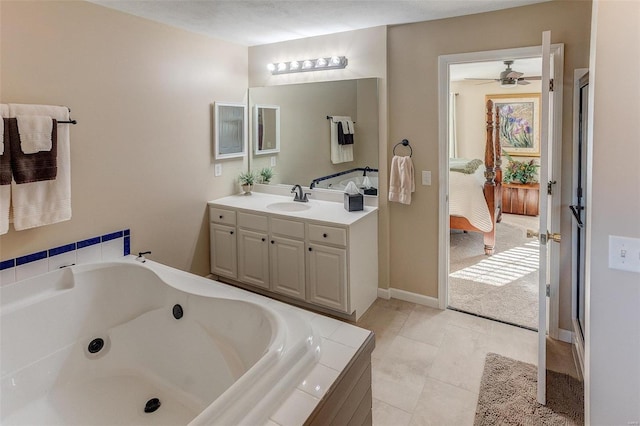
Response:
column 466, row 166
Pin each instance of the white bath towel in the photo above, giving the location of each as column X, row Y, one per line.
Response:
column 5, row 190
column 35, row 132
column 339, row 153
column 46, row 202
column 401, row 180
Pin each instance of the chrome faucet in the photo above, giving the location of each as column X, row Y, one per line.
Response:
column 301, row 196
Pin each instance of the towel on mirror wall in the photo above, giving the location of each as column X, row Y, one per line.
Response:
column 339, row 153
column 401, row 180
column 344, row 138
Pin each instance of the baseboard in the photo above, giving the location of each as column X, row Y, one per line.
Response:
column 384, row 293
column 408, row 296
column 565, row 335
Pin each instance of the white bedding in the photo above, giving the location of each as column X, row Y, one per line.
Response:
column 466, row 198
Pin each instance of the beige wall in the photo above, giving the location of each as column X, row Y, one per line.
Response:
column 366, row 51
column 413, row 114
column 141, row 151
column 613, row 197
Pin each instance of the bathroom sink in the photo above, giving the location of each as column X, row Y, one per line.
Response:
column 289, row 206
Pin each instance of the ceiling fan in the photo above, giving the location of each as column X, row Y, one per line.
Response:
column 509, row 77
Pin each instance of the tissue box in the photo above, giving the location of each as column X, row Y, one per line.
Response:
column 353, row 202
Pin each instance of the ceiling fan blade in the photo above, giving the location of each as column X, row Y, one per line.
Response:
column 522, row 82
column 483, row 79
column 514, row 75
column 537, row 77
column 486, row 82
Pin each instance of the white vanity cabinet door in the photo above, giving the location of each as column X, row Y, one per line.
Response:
column 287, row 267
column 327, row 277
column 253, row 258
column 224, row 256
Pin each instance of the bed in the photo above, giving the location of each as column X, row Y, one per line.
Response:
column 475, row 198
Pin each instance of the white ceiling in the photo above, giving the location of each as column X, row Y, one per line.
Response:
column 256, row 22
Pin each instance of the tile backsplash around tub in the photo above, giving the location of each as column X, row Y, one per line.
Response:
column 105, row 247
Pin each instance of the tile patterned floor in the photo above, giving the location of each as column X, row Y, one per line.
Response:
column 428, row 363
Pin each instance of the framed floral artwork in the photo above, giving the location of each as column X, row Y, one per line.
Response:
column 519, row 123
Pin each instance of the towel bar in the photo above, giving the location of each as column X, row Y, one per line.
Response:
column 404, row 142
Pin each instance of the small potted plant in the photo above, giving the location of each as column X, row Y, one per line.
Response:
column 247, row 179
column 520, row 171
column 266, row 174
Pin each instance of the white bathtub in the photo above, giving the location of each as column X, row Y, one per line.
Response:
column 226, row 361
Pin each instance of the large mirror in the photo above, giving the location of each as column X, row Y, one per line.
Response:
column 305, row 132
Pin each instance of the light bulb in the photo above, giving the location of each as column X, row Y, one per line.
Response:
column 293, row 66
column 307, row 64
column 282, row 66
column 335, row 60
column 321, row 62
column 271, row 67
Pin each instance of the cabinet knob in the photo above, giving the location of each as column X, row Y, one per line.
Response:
column 310, row 249
column 221, row 216
column 273, row 242
column 264, row 239
column 231, row 232
column 325, row 235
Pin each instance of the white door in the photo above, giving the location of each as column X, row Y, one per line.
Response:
column 287, row 267
column 327, row 272
column 550, row 144
column 253, row 258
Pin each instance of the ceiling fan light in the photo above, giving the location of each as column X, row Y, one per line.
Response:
column 508, row 83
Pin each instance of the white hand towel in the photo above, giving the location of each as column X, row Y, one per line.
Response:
column 401, row 180
column 46, row 202
column 35, row 133
column 339, row 153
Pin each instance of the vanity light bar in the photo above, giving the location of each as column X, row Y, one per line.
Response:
column 320, row 64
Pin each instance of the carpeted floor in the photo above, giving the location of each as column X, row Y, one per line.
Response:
column 503, row 286
column 508, row 396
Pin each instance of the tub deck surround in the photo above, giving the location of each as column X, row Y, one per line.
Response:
column 313, row 254
column 234, row 357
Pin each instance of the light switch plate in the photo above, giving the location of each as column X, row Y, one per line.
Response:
column 624, row 253
column 426, row 177
column 217, row 169
column 273, row 161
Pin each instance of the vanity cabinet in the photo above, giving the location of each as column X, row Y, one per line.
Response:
column 330, row 266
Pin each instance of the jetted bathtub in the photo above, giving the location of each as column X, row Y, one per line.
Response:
column 124, row 343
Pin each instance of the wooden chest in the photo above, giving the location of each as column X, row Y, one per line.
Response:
column 518, row 198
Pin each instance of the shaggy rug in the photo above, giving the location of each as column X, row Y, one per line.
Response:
column 503, row 286
column 508, row 396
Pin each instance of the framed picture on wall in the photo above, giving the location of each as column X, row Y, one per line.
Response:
column 519, row 123
column 230, row 132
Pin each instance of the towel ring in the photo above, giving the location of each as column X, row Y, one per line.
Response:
column 404, row 142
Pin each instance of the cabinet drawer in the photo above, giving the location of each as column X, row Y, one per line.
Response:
column 328, row 235
column 288, row 228
column 253, row 221
column 226, row 217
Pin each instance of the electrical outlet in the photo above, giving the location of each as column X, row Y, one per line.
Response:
column 426, row 177
column 624, row 253
column 217, row 169
column 273, row 161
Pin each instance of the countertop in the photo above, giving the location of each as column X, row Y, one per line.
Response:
column 322, row 211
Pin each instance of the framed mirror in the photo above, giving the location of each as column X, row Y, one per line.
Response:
column 230, row 130
column 266, row 129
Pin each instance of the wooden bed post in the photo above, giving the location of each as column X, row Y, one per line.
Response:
column 490, row 183
column 498, row 166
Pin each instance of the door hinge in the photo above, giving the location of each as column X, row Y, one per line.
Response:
column 548, row 290
column 551, row 85
column 549, row 187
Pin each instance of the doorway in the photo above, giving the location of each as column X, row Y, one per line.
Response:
column 445, row 63
column 504, row 285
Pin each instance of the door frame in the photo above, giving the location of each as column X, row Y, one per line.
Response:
column 557, row 51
